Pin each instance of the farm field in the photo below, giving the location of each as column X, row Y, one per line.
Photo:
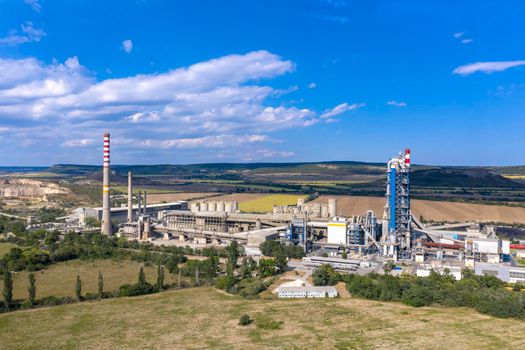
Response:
column 177, row 196
column 207, row 318
column 239, row 197
column 432, row 210
column 59, row 279
column 265, row 204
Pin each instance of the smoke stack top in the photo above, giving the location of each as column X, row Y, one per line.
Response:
column 407, row 156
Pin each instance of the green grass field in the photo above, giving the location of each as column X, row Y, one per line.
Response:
column 204, row 318
column 59, row 279
column 265, row 204
column 5, row 248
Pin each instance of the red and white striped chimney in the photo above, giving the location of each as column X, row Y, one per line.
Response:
column 106, row 203
column 407, row 157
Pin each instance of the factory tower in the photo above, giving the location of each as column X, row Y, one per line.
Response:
column 130, row 197
column 106, row 204
column 397, row 216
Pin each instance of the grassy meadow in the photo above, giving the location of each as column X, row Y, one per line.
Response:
column 59, row 279
column 204, row 318
column 5, row 248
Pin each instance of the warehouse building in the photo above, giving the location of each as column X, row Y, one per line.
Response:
column 307, row 292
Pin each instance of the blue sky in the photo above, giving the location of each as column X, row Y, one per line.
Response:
column 244, row 81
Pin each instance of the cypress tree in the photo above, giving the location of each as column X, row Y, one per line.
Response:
column 100, row 285
column 8, row 288
column 32, row 288
column 142, row 277
column 160, row 277
column 78, row 289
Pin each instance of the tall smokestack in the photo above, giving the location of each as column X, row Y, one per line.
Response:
column 130, row 197
column 106, row 205
column 139, row 200
column 145, row 203
column 407, row 157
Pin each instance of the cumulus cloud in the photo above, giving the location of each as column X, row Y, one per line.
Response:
column 35, row 5
column 127, row 45
column 487, row 67
column 340, row 109
column 220, row 104
column 466, row 41
column 396, row 103
column 28, row 33
column 312, row 85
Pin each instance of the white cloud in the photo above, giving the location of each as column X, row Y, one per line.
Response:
column 467, row 41
column 127, row 45
column 458, row 35
column 139, row 117
column 28, row 34
column 312, row 85
column 340, row 109
column 78, row 143
column 487, row 67
column 396, row 103
column 219, row 104
column 35, row 5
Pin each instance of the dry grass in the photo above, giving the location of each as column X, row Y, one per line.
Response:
column 59, row 279
column 432, row 210
column 265, row 204
column 203, row 318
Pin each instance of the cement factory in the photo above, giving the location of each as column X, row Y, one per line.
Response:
column 366, row 241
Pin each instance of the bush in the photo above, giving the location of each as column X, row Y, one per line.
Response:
column 245, row 320
column 418, row 295
column 325, row 275
column 364, row 286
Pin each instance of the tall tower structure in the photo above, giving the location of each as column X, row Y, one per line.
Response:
column 106, row 204
column 397, row 217
column 130, row 197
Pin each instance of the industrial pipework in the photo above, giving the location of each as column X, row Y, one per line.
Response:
column 106, row 204
column 397, row 228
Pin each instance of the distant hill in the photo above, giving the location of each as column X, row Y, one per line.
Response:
column 422, row 175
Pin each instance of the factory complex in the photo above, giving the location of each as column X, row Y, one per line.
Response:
column 358, row 243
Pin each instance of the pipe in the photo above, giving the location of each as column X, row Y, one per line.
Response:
column 130, row 197
column 106, row 204
column 145, row 204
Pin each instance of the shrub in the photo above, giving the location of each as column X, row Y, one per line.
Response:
column 245, row 320
column 418, row 295
column 325, row 275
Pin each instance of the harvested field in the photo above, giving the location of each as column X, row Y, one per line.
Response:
column 265, row 204
column 204, row 318
column 59, row 279
column 178, row 196
column 239, row 197
column 432, row 210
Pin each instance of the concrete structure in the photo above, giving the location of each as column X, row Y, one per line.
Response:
column 307, row 292
column 337, row 231
column 426, row 270
column 106, row 203
column 337, row 263
column 215, row 206
column 332, row 207
column 120, row 215
column 505, row 273
column 130, row 197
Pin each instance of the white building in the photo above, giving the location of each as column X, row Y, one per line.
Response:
column 337, row 231
column 307, row 292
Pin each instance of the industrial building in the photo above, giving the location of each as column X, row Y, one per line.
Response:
column 307, row 292
column 319, row 228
